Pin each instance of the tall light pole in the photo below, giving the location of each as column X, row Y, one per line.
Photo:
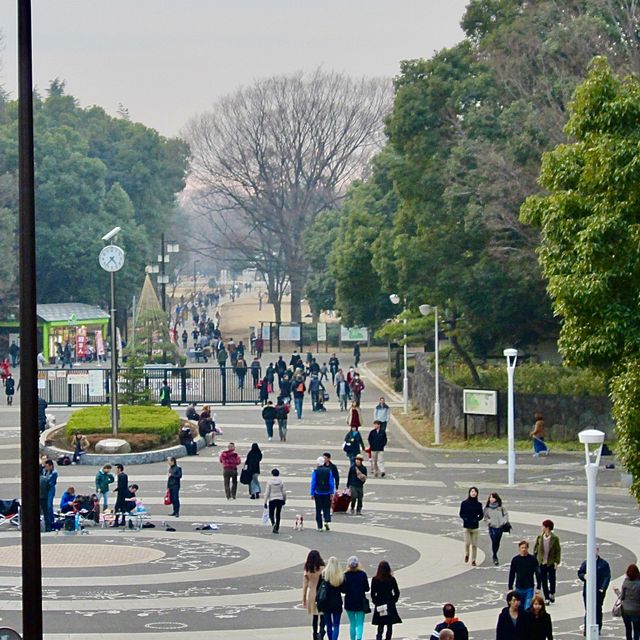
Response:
column 195, row 273
column 395, row 299
column 425, row 310
column 111, row 259
column 512, row 358
column 592, row 439
column 163, row 257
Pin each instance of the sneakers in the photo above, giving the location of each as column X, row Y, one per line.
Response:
column 496, row 561
column 320, row 529
column 326, row 526
column 383, row 474
column 466, row 559
column 552, row 597
column 473, row 563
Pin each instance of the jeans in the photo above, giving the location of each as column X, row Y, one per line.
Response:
column 269, row 425
column 298, row 405
column 282, row 429
column 343, row 402
column 275, row 509
column 105, row 500
column 50, row 496
column 526, row 596
column 599, row 602
column 548, row 577
column 495, row 533
column 44, row 509
column 632, row 627
column 356, row 498
column 323, row 508
column 332, row 622
column 356, row 624
column 315, row 396
column 174, row 492
column 254, row 485
column 230, row 478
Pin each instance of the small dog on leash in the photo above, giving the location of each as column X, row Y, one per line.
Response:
column 299, row 524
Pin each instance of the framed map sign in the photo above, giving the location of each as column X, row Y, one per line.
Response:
column 354, row 334
column 480, row 402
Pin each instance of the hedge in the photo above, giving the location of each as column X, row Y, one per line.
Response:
column 133, row 419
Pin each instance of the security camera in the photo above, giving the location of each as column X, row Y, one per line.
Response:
column 112, row 234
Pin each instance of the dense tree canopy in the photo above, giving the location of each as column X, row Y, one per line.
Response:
column 590, row 249
column 93, row 172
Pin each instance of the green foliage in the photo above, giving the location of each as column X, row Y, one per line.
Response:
column 157, row 420
column 134, row 391
column 153, row 343
column 536, row 378
column 590, row 250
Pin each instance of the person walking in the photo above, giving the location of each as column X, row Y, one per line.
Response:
column 252, row 467
column 165, row 395
column 524, row 570
column 333, row 468
column 331, row 604
column 629, row 595
column 230, row 461
column 547, row 552
column 471, row 513
column 10, row 388
column 282, row 416
column 122, row 489
column 381, row 412
column 322, row 488
column 603, row 579
column 353, row 444
column 496, row 516
column 377, row 442
column 539, row 622
column 311, row 576
column 334, row 365
column 537, row 436
column 342, row 390
column 174, row 476
column 104, row 478
column 241, row 371
column 354, row 416
column 512, row 621
column 355, row 481
column 356, row 585
column 298, row 393
column 356, row 354
column 269, row 417
column 384, row 595
column 357, row 387
column 275, row 498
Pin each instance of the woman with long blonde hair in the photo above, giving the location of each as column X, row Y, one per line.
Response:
column 329, row 596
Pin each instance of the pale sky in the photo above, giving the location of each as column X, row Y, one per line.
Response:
column 167, row 60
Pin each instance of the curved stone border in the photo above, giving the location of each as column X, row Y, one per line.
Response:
column 95, row 459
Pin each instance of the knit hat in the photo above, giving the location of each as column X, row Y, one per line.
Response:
column 320, row 461
column 353, row 562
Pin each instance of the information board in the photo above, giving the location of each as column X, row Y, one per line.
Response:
column 480, row 402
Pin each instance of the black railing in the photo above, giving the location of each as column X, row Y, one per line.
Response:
column 209, row 385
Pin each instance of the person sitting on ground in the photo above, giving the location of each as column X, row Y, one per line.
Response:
column 450, row 622
column 67, row 500
column 192, row 414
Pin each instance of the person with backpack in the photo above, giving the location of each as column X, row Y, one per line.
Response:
column 298, row 394
column 282, row 415
column 269, row 417
column 329, row 596
column 173, row 485
column 353, row 444
column 165, row 395
column 322, row 488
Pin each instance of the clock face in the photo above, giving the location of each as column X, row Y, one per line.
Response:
column 111, row 258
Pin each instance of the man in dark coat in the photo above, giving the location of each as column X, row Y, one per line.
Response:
column 122, row 489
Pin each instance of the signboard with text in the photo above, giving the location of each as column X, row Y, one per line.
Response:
column 480, row 402
column 289, row 332
column 354, row 334
column 322, row 331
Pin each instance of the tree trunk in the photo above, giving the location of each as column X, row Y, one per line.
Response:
column 277, row 308
column 296, row 282
column 466, row 358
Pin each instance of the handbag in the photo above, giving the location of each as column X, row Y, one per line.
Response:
column 245, row 476
column 167, row 497
column 382, row 610
column 265, row 515
column 506, row 527
column 361, row 476
column 616, row 612
column 366, row 607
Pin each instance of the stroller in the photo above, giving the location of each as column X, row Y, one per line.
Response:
column 10, row 513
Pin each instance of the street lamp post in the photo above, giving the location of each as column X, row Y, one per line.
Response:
column 592, row 439
column 512, row 358
column 163, row 257
column 395, row 299
column 195, row 262
column 425, row 310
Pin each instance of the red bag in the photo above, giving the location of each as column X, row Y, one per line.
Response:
column 340, row 501
column 167, row 497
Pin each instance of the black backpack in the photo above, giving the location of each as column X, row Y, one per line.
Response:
column 323, row 480
column 322, row 595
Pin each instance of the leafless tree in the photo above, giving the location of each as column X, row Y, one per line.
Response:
column 279, row 152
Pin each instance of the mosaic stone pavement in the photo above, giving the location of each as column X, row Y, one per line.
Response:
column 243, row 581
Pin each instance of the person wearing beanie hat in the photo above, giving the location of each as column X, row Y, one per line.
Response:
column 356, row 585
column 355, row 481
column 322, row 488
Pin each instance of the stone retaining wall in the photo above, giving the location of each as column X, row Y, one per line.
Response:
column 564, row 416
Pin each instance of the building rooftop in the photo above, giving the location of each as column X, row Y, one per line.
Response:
column 70, row 311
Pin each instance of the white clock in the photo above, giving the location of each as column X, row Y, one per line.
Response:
column 111, row 258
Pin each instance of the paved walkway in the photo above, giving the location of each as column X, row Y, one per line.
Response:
column 244, row 581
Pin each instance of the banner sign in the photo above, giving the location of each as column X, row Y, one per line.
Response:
column 81, row 343
column 99, row 343
column 322, row 331
column 96, row 382
column 354, row 334
column 480, row 402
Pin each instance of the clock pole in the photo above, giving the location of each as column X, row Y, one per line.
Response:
column 114, row 359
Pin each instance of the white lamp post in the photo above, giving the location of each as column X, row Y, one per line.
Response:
column 425, row 310
column 512, row 358
column 395, row 299
column 592, row 440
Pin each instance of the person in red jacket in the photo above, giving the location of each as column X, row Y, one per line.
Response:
column 230, row 461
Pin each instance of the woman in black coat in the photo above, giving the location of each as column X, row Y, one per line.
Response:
column 252, row 467
column 513, row 624
column 384, row 595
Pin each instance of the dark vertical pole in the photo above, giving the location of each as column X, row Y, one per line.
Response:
column 164, row 287
column 30, row 468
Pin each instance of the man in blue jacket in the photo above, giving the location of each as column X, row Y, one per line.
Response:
column 322, row 488
column 603, row 578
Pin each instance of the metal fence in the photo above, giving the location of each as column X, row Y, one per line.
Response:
column 209, row 385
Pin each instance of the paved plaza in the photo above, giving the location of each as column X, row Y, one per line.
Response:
column 243, row 582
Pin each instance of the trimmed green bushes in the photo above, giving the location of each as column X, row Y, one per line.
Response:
column 133, row 419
